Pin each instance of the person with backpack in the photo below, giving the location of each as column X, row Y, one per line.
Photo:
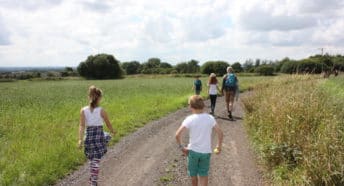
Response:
column 229, row 88
column 197, row 86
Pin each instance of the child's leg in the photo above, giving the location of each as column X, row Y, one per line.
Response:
column 194, row 180
column 203, row 180
column 94, row 170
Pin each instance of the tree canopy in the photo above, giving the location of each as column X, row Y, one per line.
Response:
column 100, row 66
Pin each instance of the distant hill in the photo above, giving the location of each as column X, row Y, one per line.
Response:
column 30, row 69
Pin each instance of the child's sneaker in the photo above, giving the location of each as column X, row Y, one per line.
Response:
column 230, row 115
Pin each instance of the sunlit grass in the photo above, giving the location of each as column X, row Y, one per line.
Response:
column 296, row 124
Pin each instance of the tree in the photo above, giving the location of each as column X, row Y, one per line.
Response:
column 248, row 66
column 100, row 66
column 237, row 67
column 257, row 63
column 289, row 67
column 188, row 67
column 165, row 65
column 181, row 67
column 131, row 67
column 217, row 67
column 265, row 70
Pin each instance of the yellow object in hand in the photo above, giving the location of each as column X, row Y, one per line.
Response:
column 216, row 150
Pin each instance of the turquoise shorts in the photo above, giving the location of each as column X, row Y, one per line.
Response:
column 198, row 163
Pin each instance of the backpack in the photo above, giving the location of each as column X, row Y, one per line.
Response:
column 230, row 80
column 198, row 84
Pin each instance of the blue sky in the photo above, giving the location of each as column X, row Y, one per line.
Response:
column 65, row 32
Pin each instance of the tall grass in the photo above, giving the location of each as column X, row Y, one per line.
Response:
column 296, row 124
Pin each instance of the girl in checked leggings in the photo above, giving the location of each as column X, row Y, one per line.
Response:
column 92, row 117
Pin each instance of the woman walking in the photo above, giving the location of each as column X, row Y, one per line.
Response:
column 212, row 91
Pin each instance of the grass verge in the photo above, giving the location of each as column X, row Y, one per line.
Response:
column 296, row 124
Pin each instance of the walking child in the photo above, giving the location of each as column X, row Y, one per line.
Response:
column 200, row 126
column 229, row 88
column 212, row 91
column 197, row 86
column 92, row 118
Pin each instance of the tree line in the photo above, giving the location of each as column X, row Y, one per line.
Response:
column 105, row 66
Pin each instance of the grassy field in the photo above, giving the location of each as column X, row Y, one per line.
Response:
column 39, row 120
column 297, row 126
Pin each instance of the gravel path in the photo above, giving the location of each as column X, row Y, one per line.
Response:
column 150, row 155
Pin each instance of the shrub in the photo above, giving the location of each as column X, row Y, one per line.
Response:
column 265, row 70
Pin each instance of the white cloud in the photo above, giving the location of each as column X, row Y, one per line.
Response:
column 61, row 32
column 4, row 34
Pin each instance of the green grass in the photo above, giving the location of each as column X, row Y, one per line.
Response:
column 39, row 120
column 297, row 126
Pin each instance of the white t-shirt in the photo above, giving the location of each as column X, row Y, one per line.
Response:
column 213, row 89
column 200, row 128
column 93, row 118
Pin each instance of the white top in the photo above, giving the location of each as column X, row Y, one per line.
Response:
column 93, row 118
column 213, row 89
column 200, row 128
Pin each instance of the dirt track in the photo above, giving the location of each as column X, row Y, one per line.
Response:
column 150, row 156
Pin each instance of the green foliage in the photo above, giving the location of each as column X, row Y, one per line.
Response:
column 310, row 66
column 289, row 67
column 296, row 124
column 155, row 66
column 338, row 63
column 188, row 67
column 100, row 66
column 237, row 67
column 217, row 67
column 248, row 66
column 132, row 67
column 265, row 70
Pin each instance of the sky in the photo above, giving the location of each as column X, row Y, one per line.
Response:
column 65, row 32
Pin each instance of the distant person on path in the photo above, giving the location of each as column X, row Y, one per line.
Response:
column 200, row 126
column 229, row 89
column 212, row 91
column 197, row 86
column 92, row 117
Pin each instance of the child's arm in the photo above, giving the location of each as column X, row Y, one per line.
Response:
column 81, row 128
column 219, row 136
column 179, row 141
column 107, row 121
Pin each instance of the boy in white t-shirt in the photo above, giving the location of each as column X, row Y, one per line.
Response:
column 198, row 151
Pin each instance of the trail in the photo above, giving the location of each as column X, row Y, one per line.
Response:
column 150, row 155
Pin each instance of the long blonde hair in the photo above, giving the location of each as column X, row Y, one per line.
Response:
column 94, row 94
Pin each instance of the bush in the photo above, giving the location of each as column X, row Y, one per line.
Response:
column 132, row 67
column 100, row 66
column 289, row 67
column 265, row 70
